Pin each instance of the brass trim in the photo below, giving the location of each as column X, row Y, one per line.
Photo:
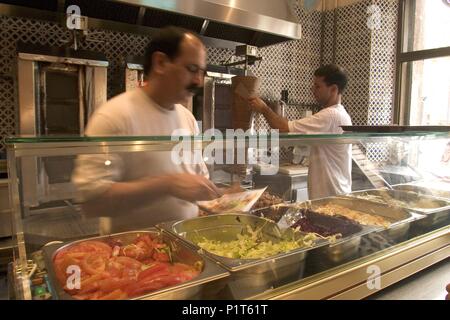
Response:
column 396, row 275
column 335, row 281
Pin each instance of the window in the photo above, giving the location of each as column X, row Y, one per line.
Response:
column 423, row 63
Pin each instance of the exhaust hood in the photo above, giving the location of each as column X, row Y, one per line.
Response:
column 254, row 22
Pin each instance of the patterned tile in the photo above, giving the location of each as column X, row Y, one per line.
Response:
column 369, row 57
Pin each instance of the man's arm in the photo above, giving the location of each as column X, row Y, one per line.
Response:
column 121, row 197
column 275, row 121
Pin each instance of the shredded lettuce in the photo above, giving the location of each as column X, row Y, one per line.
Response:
column 251, row 246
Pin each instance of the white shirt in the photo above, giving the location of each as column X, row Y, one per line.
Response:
column 330, row 166
column 133, row 113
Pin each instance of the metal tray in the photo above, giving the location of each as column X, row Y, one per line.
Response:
column 248, row 276
column 434, row 215
column 422, row 190
column 386, row 195
column 347, row 247
column 395, row 215
column 193, row 289
column 399, row 218
column 274, row 212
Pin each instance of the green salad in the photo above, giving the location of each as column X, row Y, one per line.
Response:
column 251, row 246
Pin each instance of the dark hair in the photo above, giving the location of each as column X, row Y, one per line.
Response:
column 167, row 41
column 333, row 74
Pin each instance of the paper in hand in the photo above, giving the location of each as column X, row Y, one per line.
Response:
column 232, row 202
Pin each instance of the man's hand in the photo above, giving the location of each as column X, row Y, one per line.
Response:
column 256, row 104
column 447, row 297
column 191, row 187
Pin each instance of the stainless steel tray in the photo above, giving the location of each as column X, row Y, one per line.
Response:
column 422, row 190
column 274, row 212
column 347, row 247
column 207, row 280
column 248, row 276
column 395, row 215
column 397, row 198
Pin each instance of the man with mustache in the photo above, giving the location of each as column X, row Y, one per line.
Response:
column 139, row 189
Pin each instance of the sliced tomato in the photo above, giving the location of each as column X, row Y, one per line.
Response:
column 185, row 271
column 145, row 238
column 94, row 263
column 114, row 268
column 161, row 256
column 89, row 288
column 61, row 267
column 148, row 261
column 128, row 262
column 157, row 268
column 111, row 284
column 149, row 285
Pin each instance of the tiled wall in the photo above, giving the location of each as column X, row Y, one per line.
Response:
column 353, row 40
column 362, row 39
column 285, row 66
column 299, row 59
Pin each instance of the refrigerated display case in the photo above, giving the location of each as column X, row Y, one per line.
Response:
column 353, row 266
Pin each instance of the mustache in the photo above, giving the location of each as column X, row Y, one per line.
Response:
column 193, row 88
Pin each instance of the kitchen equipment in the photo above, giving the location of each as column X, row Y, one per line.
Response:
column 59, row 89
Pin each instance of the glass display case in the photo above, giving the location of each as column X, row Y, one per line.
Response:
column 394, row 223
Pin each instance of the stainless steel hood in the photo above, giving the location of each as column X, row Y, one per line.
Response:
column 255, row 22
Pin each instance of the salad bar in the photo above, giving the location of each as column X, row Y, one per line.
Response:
column 225, row 255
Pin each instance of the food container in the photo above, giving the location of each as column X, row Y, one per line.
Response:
column 273, row 213
column 346, row 248
column 422, row 190
column 248, row 276
column 437, row 210
column 206, row 281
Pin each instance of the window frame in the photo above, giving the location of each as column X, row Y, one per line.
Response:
column 403, row 81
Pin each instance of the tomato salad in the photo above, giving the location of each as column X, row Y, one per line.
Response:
column 115, row 271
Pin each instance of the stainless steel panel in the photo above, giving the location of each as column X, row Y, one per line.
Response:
column 272, row 17
column 33, row 115
column 208, row 104
column 192, row 289
column 55, row 59
column 27, row 97
column 341, row 251
column 99, row 88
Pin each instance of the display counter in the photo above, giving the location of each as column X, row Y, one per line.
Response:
column 390, row 230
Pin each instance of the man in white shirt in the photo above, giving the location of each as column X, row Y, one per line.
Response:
column 135, row 190
column 330, row 166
